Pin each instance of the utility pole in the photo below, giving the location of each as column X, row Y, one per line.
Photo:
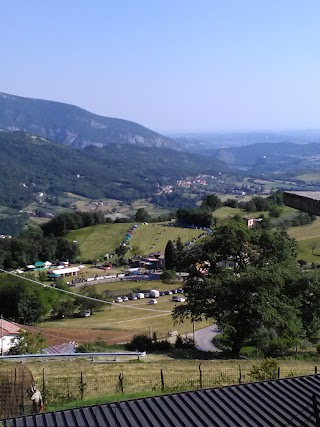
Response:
column 1, row 335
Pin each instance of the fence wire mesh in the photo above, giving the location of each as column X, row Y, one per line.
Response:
column 68, row 391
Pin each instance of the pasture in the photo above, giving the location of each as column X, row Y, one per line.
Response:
column 226, row 212
column 118, row 322
column 95, row 241
column 154, row 237
column 308, row 177
column 309, row 231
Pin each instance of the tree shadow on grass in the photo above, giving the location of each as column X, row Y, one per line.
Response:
column 194, row 354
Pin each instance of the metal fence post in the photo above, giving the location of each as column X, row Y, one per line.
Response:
column 43, row 387
column 200, row 376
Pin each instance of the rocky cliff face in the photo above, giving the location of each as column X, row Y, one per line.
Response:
column 74, row 126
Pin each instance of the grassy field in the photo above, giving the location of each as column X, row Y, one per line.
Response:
column 309, row 231
column 308, row 177
column 226, row 212
column 94, row 242
column 118, row 322
column 307, row 236
column 154, row 237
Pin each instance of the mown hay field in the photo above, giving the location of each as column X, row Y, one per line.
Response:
column 118, row 322
column 309, row 231
column 95, row 241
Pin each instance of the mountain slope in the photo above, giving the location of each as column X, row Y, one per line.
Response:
column 265, row 157
column 31, row 164
column 72, row 125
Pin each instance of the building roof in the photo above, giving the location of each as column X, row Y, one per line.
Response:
column 308, row 201
column 61, row 271
column 65, row 348
column 274, row 403
column 8, row 328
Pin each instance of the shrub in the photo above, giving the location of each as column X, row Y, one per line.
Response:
column 266, row 371
column 163, row 345
column 141, row 342
column 184, row 342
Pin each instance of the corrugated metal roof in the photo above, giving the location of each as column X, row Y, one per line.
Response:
column 276, row 403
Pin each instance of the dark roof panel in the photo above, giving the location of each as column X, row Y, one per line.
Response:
column 275, row 403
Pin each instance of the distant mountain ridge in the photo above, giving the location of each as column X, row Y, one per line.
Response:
column 270, row 157
column 74, row 126
column 247, row 155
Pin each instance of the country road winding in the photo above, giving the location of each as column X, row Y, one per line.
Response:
column 204, row 337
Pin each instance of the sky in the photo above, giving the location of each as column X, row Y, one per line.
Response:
column 170, row 65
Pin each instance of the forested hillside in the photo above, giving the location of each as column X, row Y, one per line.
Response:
column 31, row 164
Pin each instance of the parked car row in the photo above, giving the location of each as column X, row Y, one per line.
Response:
column 152, row 294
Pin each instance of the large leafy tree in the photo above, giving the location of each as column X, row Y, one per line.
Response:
column 211, row 202
column 142, row 215
column 254, row 295
column 242, row 305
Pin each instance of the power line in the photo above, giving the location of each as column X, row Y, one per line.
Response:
column 82, row 296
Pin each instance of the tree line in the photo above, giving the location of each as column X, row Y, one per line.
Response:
column 28, row 303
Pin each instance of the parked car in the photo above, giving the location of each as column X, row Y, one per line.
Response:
column 87, row 313
column 153, row 301
column 162, row 293
column 177, row 299
column 119, row 299
column 147, row 295
column 125, row 299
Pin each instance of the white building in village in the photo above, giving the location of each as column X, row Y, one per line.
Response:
column 8, row 332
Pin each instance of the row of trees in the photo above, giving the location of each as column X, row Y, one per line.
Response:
column 264, row 298
column 33, row 245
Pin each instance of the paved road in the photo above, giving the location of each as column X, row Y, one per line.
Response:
column 204, row 337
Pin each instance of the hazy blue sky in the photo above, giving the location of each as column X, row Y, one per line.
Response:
column 169, row 64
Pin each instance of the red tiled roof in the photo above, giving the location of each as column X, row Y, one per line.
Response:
column 8, row 328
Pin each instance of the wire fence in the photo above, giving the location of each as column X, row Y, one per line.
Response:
column 60, row 391
column 66, row 391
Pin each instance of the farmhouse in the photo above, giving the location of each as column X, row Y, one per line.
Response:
column 8, row 332
column 276, row 403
